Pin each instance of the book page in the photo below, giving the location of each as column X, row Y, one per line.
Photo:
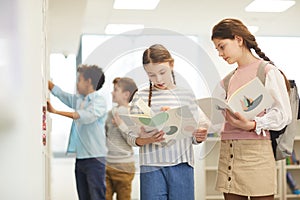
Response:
column 213, row 108
column 181, row 123
column 251, row 99
column 144, row 107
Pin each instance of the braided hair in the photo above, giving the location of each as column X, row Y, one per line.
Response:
column 229, row 28
column 157, row 53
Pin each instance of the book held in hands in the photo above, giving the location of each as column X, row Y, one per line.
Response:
column 249, row 100
column 177, row 123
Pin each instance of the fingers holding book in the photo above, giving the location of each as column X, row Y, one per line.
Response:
column 200, row 134
column 148, row 137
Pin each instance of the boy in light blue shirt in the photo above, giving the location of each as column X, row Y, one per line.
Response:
column 87, row 136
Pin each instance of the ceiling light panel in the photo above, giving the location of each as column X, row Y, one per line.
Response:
column 269, row 5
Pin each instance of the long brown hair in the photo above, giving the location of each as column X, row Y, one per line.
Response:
column 229, row 28
column 157, row 53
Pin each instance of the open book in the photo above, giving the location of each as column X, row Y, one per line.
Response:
column 177, row 123
column 249, row 100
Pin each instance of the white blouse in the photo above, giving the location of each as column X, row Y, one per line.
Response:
column 280, row 113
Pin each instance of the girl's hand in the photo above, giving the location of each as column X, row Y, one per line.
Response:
column 239, row 121
column 165, row 108
column 149, row 137
column 200, row 134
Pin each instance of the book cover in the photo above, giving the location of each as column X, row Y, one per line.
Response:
column 249, row 100
column 177, row 123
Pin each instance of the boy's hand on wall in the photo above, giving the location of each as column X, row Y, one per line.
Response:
column 50, row 107
column 50, row 85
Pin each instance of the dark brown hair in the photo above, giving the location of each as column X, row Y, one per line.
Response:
column 126, row 84
column 157, row 53
column 94, row 73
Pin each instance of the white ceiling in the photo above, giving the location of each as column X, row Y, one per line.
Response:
column 68, row 19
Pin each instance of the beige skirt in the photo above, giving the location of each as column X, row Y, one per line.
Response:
column 247, row 168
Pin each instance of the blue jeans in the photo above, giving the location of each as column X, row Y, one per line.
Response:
column 90, row 178
column 172, row 182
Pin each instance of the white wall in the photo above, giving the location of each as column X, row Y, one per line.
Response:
column 283, row 51
column 21, row 149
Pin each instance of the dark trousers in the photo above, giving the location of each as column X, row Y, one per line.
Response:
column 90, row 178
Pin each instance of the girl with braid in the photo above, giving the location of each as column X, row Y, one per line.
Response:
column 167, row 169
column 247, row 166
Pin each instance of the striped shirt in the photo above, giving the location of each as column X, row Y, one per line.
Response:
column 182, row 150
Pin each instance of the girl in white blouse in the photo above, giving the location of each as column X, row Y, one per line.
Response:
column 246, row 165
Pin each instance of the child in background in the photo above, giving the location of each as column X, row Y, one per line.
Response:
column 247, row 166
column 120, row 166
column 87, row 137
column 166, row 170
